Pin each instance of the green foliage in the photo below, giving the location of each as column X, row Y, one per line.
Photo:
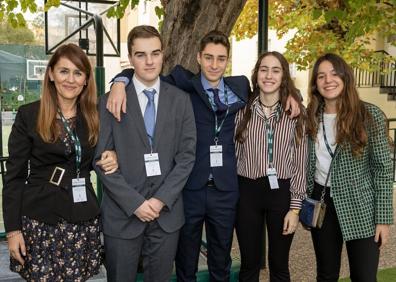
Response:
column 345, row 27
column 160, row 12
column 246, row 25
column 51, row 3
column 18, row 35
column 12, row 11
column 119, row 11
column 384, row 275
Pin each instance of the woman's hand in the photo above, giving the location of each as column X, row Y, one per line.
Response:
column 381, row 234
column 292, row 107
column 108, row 162
column 16, row 246
column 290, row 223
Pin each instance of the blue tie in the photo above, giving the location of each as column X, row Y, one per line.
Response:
column 220, row 106
column 149, row 114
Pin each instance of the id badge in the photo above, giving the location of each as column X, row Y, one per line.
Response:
column 216, row 155
column 151, row 161
column 272, row 178
column 79, row 190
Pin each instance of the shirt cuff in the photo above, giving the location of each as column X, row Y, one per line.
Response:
column 123, row 79
column 295, row 204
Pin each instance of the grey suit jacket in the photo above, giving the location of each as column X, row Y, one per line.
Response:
column 126, row 189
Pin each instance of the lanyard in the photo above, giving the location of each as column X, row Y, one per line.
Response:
column 76, row 140
column 325, row 139
column 269, row 129
column 218, row 126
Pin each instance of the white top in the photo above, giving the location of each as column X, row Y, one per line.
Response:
column 142, row 98
column 323, row 158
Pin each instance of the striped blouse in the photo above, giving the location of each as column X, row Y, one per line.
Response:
column 289, row 158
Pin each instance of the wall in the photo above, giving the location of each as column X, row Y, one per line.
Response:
column 373, row 96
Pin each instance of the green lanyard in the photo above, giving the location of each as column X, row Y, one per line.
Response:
column 76, row 140
column 218, row 126
column 269, row 129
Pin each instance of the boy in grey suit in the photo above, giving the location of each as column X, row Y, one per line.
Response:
column 142, row 207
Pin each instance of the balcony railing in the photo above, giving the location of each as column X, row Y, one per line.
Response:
column 384, row 78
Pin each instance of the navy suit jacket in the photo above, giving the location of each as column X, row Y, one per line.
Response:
column 225, row 177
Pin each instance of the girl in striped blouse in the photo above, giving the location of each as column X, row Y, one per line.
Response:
column 271, row 153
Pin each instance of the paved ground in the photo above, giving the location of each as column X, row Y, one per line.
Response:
column 302, row 259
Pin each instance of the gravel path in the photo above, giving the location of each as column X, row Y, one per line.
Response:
column 302, row 258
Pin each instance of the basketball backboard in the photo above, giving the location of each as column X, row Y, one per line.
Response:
column 71, row 22
column 35, row 69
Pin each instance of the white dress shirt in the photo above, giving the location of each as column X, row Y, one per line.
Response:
column 142, row 98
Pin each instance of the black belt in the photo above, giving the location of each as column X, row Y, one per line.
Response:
column 210, row 183
column 57, row 175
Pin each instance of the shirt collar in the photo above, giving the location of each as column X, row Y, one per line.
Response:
column 206, row 85
column 257, row 109
column 139, row 86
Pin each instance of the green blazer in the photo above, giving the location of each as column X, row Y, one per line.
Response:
column 361, row 188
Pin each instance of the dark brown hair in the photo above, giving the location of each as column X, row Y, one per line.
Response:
column 352, row 115
column 286, row 88
column 142, row 31
column 46, row 123
column 216, row 37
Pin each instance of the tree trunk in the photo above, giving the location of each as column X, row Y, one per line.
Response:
column 187, row 21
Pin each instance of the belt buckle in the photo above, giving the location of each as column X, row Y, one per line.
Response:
column 57, row 170
column 210, row 183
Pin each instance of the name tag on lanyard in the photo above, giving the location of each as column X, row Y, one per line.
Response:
column 151, row 161
column 271, row 171
column 216, row 156
column 216, row 151
column 78, row 184
column 79, row 190
column 272, row 178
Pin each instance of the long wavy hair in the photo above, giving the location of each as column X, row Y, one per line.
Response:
column 352, row 116
column 286, row 88
column 46, row 123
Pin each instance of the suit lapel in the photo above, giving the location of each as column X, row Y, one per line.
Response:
column 164, row 106
column 236, row 88
column 196, row 81
column 135, row 113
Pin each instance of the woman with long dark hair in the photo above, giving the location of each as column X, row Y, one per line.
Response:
column 348, row 147
column 50, row 209
column 271, row 153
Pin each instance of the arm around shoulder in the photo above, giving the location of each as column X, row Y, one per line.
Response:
column 126, row 73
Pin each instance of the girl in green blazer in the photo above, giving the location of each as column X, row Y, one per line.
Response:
column 349, row 145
